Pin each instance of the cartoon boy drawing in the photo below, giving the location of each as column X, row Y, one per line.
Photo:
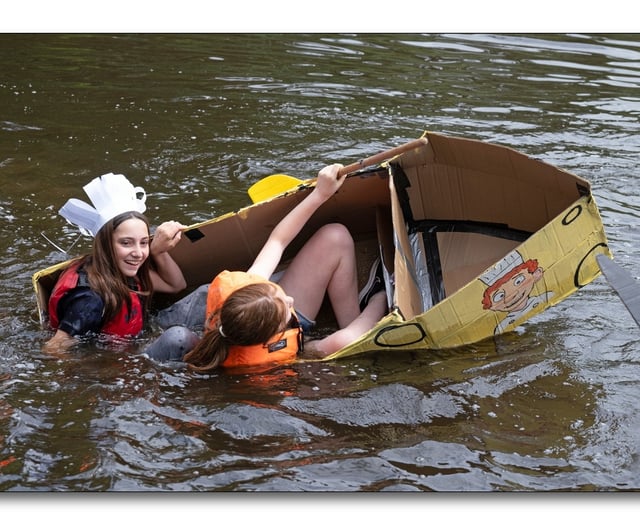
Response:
column 510, row 283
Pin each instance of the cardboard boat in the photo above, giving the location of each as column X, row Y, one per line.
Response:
column 475, row 239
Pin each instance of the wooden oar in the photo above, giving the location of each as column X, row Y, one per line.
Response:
column 276, row 184
column 627, row 288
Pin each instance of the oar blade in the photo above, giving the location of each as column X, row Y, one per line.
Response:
column 627, row 288
column 271, row 186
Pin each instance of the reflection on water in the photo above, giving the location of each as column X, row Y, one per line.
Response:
column 196, row 119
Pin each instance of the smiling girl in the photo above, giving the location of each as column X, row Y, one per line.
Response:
column 107, row 291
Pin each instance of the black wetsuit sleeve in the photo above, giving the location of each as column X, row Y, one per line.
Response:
column 80, row 312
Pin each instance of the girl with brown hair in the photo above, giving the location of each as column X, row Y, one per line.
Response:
column 107, row 291
column 252, row 320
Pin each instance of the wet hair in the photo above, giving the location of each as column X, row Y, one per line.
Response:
column 251, row 315
column 104, row 274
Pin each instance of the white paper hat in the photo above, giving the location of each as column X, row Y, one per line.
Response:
column 502, row 268
column 110, row 195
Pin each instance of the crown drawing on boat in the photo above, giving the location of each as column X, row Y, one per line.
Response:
column 111, row 194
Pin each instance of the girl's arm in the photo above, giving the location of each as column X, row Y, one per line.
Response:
column 167, row 276
column 375, row 310
column 287, row 229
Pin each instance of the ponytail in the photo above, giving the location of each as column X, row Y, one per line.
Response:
column 209, row 353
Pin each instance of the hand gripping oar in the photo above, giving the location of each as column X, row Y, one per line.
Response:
column 273, row 185
column 623, row 283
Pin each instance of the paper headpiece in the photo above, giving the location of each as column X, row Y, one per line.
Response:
column 110, row 195
column 502, row 268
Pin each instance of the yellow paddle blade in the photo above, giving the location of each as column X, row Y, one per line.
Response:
column 271, row 186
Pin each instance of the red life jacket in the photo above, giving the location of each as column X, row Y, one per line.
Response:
column 124, row 323
column 282, row 348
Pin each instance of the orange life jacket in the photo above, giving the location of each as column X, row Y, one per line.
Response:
column 282, row 348
column 125, row 322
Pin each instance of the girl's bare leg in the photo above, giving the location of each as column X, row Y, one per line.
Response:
column 325, row 264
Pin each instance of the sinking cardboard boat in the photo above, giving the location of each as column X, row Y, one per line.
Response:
column 475, row 238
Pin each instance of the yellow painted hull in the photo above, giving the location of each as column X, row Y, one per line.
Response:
column 565, row 252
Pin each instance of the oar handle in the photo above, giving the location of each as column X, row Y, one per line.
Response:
column 278, row 183
column 379, row 157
